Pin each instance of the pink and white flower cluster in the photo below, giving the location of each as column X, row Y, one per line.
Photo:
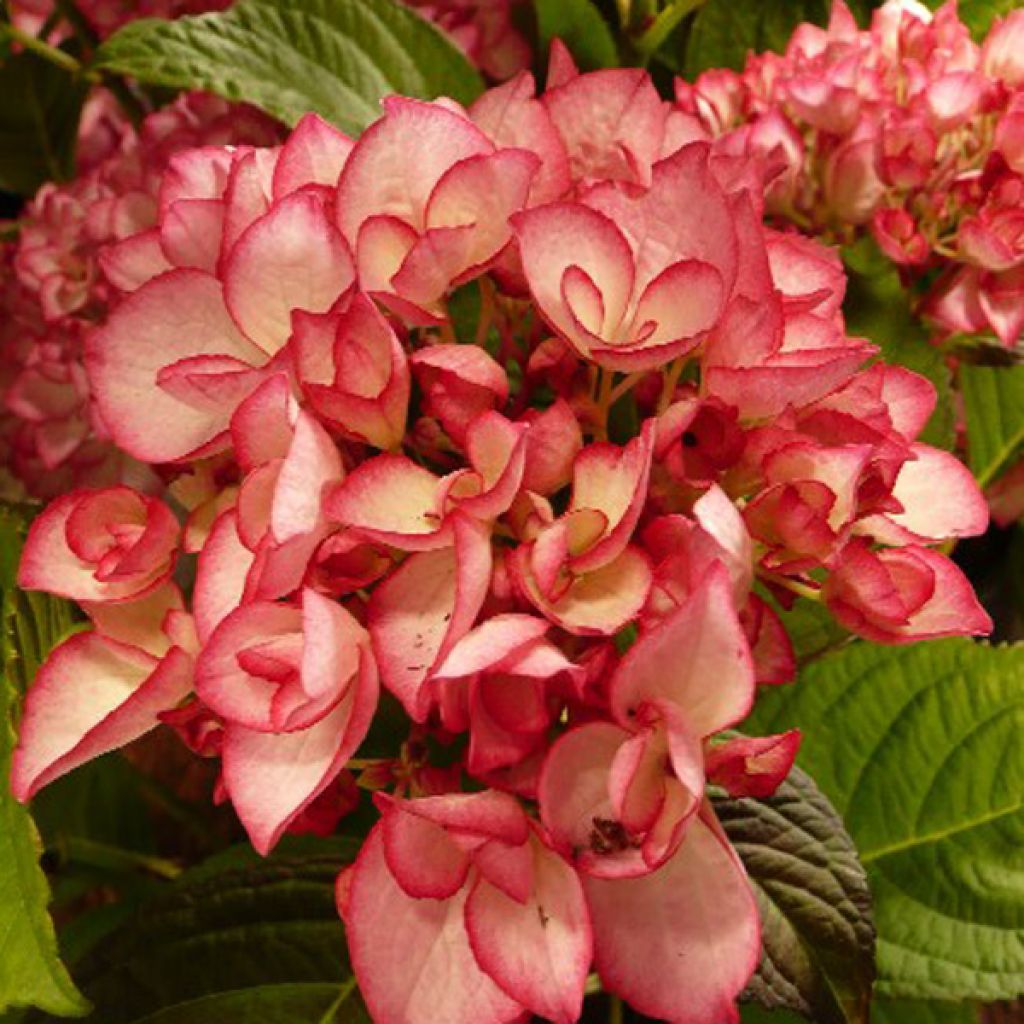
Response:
column 55, row 290
column 556, row 535
column 909, row 130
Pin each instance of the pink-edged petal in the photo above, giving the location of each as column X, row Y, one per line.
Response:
column 684, row 301
column 611, row 121
column 574, row 793
column 261, row 428
column 483, row 191
column 752, row 766
column 224, row 564
column 399, row 160
column 190, row 233
column 139, row 622
column 560, row 237
column 507, row 867
column 314, row 154
column 511, row 116
column 392, row 499
column 702, row 640
column 412, row 957
column 488, row 814
column 177, row 316
column 612, row 481
column 311, row 465
column 131, row 263
column 599, row 603
column 248, row 194
column 494, row 641
column 271, row 778
column 680, row 943
column 538, row 951
column 422, row 857
column 940, row 499
column 429, row 602
column 291, row 259
column 92, row 695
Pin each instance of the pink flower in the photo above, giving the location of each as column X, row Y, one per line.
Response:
column 110, row 545
column 103, row 688
column 296, row 688
column 458, row 909
column 901, row 595
column 633, row 280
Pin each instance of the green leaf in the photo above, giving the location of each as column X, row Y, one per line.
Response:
column 818, row 938
column 978, row 15
column 39, row 109
column 725, row 31
column 919, row 750
column 751, row 1013
column 922, row 1011
column 335, row 57
column 310, row 1003
column 31, row 973
column 812, row 629
column 237, row 923
column 994, row 407
column 578, row 23
column 877, row 308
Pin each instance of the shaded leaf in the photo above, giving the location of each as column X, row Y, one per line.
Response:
column 39, row 109
column 237, row 922
column 310, row 1003
column 578, row 23
column 817, row 934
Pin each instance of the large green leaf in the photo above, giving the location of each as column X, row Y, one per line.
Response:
column 994, row 406
column 237, row 923
column 919, row 750
column 335, row 57
column 39, row 109
column 578, row 23
column 31, row 973
column 815, row 905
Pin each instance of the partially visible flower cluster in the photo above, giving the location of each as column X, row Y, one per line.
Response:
column 555, row 529
column 910, row 130
column 485, row 30
column 54, row 290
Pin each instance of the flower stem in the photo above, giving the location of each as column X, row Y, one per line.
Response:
column 112, row 858
column 43, row 49
column 616, row 1011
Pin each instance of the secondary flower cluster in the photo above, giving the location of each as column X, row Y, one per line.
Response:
column 517, row 417
column 51, row 435
column 909, row 129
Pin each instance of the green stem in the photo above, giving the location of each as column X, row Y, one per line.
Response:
column 91, row 854
column 616, row 1012
column 49, row 53
column 651, row 41
column 346, row 991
